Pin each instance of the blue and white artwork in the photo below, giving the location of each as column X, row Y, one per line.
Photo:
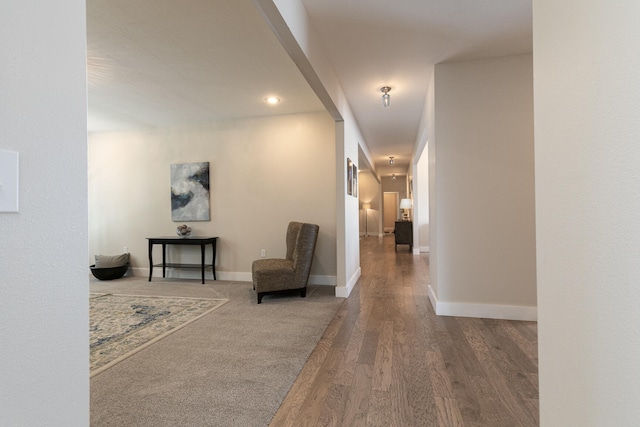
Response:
column 190, row 192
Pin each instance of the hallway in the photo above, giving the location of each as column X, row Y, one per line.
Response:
column 386, row 359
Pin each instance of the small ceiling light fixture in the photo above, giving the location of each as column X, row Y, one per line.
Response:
column 393, row 176
column 386, row 99
column 273, row 100
column 391, row 160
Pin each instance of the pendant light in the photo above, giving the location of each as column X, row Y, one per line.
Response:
column 386, row 99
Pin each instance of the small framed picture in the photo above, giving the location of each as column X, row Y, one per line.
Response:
column 355, row 180
column 349, row 177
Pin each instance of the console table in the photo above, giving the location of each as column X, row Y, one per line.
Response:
column 404, row 234
column 175, row 240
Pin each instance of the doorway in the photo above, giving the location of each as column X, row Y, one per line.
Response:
column 390, row 212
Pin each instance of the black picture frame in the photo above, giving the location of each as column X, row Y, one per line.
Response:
column 349, row 177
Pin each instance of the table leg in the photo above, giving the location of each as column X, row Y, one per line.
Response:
column 202, row 251
column 150, row 259
column 213, row 258
column 164, row 262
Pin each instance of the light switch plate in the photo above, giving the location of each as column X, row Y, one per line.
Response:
column 9, row 161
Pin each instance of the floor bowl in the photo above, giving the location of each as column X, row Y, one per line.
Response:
column 109, row 273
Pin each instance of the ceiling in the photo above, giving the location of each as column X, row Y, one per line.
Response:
column 168, row 63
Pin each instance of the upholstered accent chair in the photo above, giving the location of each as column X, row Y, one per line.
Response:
column 275, row 275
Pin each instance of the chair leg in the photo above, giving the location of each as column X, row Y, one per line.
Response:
column 303, row 292
column 260, row 295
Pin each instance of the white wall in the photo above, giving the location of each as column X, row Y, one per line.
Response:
column 485, row 188
column 429, row 123
column 421, row 182
column 587, row 127
column 350, row 215
column 43, row 250
column 264, row 172
column 421, row 202
column 290, row 22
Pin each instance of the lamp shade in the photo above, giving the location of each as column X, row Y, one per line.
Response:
column 405, row 204
column 366, row 206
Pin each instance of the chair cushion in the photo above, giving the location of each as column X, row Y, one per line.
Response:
column 272, row 266
column 272, row 274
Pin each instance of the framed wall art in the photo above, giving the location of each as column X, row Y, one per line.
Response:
column 190, row 192
column 349, row 177
column 354, row 173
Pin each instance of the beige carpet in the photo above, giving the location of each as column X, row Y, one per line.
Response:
column 122, row 325
column 231, row 367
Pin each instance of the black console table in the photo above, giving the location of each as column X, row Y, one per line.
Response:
column 175, row 240
column 404, row 234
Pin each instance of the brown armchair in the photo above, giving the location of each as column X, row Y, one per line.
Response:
column 291, row 273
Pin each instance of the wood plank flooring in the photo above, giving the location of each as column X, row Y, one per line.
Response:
column 386, row 359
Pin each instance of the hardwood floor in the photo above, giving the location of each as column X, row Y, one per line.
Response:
column 386, row 359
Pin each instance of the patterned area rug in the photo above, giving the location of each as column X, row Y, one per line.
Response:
column 122, row 325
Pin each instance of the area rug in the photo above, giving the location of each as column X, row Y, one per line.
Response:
column 122, row 325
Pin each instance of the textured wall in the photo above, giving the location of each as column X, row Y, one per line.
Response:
column 43, row 249
column 587, row 110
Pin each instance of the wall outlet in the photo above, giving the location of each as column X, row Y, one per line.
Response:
column 126, row 250
column 263, row 253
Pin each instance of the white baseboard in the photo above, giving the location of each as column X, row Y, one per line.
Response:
column 323, row 280
column 433, row 299
column 420, row 250
column 486, row 311
column 372, row 235
column 234, row 276
column 345, row 291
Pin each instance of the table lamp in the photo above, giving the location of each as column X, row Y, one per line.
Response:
column 405, row 205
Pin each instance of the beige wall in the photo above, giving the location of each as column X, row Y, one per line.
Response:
column 369, row 192
column 587, row 127
column 264, row 172
column 421, row 202
column 399, row 185
column 485, row 188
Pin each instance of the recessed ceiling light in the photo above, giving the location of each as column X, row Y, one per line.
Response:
column 272, row 100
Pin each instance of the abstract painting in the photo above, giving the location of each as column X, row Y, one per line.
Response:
column 354, row 172
column 190, row 192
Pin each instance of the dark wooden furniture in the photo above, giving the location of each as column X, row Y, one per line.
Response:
column 404, row 234
column 175, row 240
